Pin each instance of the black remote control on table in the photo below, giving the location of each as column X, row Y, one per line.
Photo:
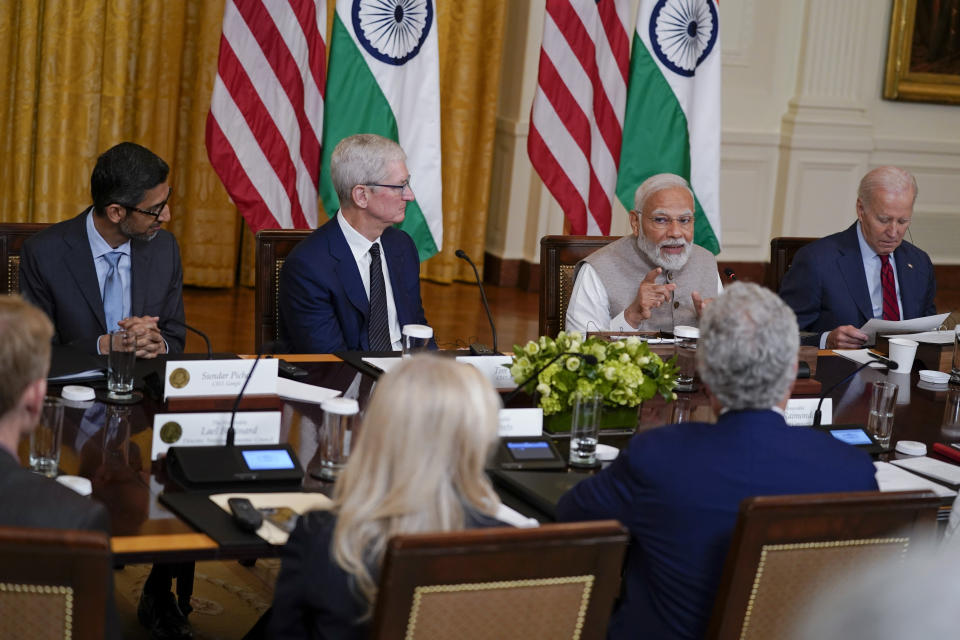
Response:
column 245, row 515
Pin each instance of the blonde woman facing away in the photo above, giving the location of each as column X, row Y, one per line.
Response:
column 418, row 466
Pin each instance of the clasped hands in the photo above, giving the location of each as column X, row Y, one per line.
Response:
column 150, row 341
column 651, row 295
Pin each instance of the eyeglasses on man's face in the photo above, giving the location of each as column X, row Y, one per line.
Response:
column 405, row 185
column 155, row 211
column 660, row 221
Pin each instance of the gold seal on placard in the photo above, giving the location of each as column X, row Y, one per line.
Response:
column 171, row 432
column 179, row 378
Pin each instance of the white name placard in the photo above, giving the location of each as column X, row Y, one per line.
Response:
column 799, row 411
column 496, row 368
column 193, row 378
column 521, row 422
column 203, row 429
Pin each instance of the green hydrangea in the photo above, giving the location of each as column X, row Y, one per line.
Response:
column 627, row 372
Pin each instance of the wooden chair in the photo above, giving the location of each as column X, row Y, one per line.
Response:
column 785, row 549
column 556, row 581
column 559, row 256
column 53, row 583
column 273, row 247
column 782, row 251
column 12, row 237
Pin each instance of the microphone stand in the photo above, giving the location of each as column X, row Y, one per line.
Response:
column 479, row 349
column 891, row 365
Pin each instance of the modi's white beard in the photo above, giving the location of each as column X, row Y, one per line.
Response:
column 652, row 251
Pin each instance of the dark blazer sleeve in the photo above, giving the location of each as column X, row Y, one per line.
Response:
column 411, row 303
column 174, row 332
column 802, row 289
column 165, row 295
column 310, row 322
column 608, row 494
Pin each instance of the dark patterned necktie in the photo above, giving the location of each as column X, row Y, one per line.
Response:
column 891, row 310
column 378, row 329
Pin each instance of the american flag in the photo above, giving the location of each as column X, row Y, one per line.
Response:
column 266, row 114
column 576, row 123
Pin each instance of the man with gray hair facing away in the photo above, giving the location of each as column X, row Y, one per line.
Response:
column 678, row 488
column 652, row 280
column 355, row 281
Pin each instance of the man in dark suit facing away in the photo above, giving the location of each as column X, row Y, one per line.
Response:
column 26, row 498
column 678, row 488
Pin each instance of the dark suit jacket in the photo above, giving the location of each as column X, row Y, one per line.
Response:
column 678, row 490
column 826, row 286
column 58, row 275
column 323, row 306
column 314, row 597
column 30, row 500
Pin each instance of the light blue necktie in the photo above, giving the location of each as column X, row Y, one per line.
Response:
column 113, row 292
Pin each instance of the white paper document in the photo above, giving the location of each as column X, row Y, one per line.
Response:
column 301, row 502
column 891, row 478
column 927, row 337
column 860, row 355
column 884, row 327
column 384, row 364
column 936, row 469
column 303, row 392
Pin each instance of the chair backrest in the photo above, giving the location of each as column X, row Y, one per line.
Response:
column 53, row 583
column 557, row 581
column 273, row 247
column 12, row 237
column 786, row 549
column 559, row 256
column 782, row 251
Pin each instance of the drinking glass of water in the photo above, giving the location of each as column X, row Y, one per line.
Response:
column 585, row 429
column 45, row 438
column 882, row 403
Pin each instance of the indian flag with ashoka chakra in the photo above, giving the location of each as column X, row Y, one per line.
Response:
column 383, row 78
column 672, row 121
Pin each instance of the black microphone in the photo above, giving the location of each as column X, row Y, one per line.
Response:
column 892, row 365
column 196, row 331
column 731, row 275
column 479, row 349
column 586, row 357
column 231, row 434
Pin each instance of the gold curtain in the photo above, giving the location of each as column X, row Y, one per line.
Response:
column 83, row 75
column 471, row 44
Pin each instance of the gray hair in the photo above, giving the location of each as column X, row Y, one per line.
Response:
column 748, row 347
column 363, row 158
column 656, row 183
column 889, row 179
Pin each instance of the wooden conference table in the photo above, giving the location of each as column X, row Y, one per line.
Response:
column 111, row 447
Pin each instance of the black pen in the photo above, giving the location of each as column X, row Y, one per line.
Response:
column 883, row 360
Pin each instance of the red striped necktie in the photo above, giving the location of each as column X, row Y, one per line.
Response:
column 891, row 310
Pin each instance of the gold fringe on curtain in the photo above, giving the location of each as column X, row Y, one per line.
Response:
column 83, row 75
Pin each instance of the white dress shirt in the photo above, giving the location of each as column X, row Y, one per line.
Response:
column 589, row 306
column 360, row 248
